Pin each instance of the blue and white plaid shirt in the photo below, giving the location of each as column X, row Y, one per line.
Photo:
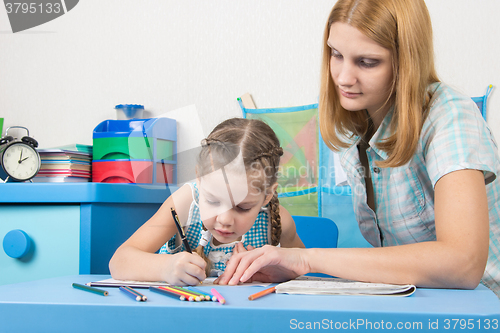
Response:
column 454, row 137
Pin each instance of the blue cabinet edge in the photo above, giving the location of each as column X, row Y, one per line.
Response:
column 83, row 192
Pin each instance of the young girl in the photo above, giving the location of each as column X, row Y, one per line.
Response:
column 420, row 159
column 233, row 202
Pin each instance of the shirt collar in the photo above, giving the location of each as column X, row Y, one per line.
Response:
column 382, row 133
column 349, row 158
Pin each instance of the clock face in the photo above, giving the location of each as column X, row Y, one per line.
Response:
column 20, row 161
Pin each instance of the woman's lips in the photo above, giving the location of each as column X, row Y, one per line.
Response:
column 349, row 94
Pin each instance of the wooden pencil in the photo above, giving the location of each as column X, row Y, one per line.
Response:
column 90, row 289
column 208, row 297
column 219, row 296
column 167, row 293
column 189, row 297
column 143, row 297
column 131, row 294
column 262, row 293
column 196, row 295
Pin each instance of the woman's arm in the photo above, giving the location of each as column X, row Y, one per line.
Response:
column 455, row 260
column 136, row 259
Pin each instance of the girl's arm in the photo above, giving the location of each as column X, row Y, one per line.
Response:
column 289, row 236
column 455, row 260
column 136, row 259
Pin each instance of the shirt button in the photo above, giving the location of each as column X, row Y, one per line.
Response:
column 376, row 170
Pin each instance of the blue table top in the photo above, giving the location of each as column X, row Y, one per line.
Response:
column 83, row 193
column 53, row 305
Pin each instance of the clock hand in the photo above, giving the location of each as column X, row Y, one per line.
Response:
column 24, row 159
column 20, row 157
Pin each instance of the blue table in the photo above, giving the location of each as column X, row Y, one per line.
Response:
column 53, row 305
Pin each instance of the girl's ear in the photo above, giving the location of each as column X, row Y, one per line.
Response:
column 270, row 195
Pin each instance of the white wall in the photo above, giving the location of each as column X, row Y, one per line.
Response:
column 62, row 78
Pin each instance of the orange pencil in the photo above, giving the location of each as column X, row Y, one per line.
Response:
column 262, row 293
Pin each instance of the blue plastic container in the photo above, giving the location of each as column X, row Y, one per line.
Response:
column 154, row 140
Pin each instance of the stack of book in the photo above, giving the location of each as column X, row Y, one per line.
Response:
column 65, row 164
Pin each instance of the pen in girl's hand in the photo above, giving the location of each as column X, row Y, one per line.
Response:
column 181, row 232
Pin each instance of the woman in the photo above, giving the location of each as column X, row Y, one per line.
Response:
column 420, row 160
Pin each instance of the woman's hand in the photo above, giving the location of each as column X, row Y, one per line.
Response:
column 265, row 264
column 184, row 269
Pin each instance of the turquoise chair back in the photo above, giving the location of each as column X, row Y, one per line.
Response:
column 316, row 232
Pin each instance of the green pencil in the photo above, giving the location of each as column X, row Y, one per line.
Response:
column 90, row 289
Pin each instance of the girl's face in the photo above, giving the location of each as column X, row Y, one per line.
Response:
column 361, row 70
column 229, row 211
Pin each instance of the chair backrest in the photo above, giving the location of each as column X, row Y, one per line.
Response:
column 316, row 232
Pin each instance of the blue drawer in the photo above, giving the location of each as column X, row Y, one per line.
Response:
column 54, row 233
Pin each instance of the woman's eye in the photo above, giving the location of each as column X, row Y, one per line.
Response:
column 368, row 63
column 336, row 54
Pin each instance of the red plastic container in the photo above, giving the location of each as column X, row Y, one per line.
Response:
column 122, row 172
column 127, row 171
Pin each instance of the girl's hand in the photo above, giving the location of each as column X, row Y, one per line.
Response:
column 183, row 269
column 265, row 264
column 238, row 248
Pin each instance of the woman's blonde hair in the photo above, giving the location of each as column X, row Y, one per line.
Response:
column 404, row 28
column 261, row 152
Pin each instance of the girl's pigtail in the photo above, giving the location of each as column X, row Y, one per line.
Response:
column 200, row 250
column 274, row 208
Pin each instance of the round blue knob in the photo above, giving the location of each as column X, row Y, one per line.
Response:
column 16, row 244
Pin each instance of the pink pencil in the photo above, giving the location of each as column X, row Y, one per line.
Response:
column 219, row 296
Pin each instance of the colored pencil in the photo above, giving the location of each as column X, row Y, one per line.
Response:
column 167, row 293
column 185, row 292
column 262, row 293
column 143, row 297
column 189, row 297
column 219, row 296
column 131, row 294
column 204, row 297
column 90, row 289
column 208, row 297
column 181, row 232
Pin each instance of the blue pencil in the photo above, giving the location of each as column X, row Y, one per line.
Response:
column 143, row 298
column 208, row 296
column 131, row 294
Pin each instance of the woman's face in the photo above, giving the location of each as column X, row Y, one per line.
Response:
column 361, row 70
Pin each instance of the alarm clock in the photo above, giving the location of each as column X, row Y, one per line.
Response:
column 19, row 159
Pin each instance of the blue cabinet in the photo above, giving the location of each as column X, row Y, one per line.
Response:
column 69, row 228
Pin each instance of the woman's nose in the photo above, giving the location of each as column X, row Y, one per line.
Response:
column 346, row 75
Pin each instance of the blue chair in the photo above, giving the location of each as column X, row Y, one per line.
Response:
column 316, row 232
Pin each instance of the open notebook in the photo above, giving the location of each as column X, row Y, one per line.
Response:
column 309, row 285
column 146, row 284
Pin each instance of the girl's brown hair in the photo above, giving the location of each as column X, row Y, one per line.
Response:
column 261, row 152
column 403, row 27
